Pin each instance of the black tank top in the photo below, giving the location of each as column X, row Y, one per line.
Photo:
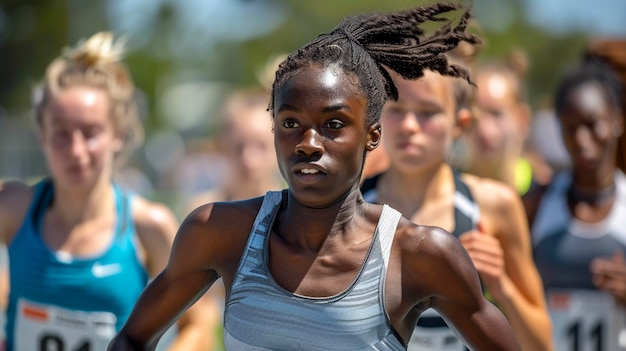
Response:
column 466, row 211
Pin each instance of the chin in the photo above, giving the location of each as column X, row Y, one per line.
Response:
column 312, row 198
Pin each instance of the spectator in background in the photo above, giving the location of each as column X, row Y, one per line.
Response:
column 578, row 233
column 81, row 248
column 486, row 215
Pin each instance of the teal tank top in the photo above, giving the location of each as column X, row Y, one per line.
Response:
column 261, row 315
column 64, row 303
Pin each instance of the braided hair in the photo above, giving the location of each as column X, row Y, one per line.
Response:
column 369, row 44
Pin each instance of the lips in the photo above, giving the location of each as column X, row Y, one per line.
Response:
column 77, row 169
column 408, row 146
column 586, row 162
column 309, row 173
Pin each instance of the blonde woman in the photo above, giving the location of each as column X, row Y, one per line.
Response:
column 81, row 248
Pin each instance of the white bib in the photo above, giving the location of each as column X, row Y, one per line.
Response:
column 584, row 320
column 434, row 339
column 49, row 328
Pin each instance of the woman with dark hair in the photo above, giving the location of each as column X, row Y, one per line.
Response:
column 578, row 233
column 314, row 266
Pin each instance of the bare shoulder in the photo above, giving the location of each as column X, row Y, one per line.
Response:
column 502, row 212
column 150, row 216
column 224, row 219
column 15, row 199
column 492, row 195
column 423, row 240
column 221, row 229
column 156, row 226
column 15, row 195
column 428, row 254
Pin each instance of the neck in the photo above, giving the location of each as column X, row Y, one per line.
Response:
column 592, row 188
column 594, row 197
column 315, row 225
column 500, row 170
column 409, row 191
column 74, row 206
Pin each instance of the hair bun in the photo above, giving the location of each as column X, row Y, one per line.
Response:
column 517, row 60
column 100, row 49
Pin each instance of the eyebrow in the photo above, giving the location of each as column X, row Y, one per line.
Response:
column 431, row 104
column 287, row 107
column 337, row 107
column 423, row 104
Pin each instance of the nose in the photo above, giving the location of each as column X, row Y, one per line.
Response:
column 410, row 122
column 78, row 144
column 583, row 138
column 310, row 144
column 486, row 127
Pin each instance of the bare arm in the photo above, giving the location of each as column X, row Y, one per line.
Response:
column 171, row 295
column 15, row 198
column 501, row 252
column 430, row 268
column 459, row 299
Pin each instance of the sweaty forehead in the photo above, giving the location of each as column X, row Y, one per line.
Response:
column 588, row 98
column 431, row 87
column 319, row 82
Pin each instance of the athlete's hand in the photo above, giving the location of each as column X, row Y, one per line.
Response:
column 488, row 258
column 609, row 274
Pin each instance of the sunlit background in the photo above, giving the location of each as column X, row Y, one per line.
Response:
column 186, row 55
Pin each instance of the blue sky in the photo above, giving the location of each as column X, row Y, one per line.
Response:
column 205, row 22
column 600, row 17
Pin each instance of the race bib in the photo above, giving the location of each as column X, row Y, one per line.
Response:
column 434, row 337
column 49, row 328
column 585, row 320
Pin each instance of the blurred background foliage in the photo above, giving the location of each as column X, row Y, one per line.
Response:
column 186, row 55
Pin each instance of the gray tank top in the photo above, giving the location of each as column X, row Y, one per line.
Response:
column 261, row 315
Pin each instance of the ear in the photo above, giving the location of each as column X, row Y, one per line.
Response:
column 464, row 119
column 374, row 135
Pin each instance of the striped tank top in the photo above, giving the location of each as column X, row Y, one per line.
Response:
column 62, row 302
column 432, row 332
column 261, row 315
